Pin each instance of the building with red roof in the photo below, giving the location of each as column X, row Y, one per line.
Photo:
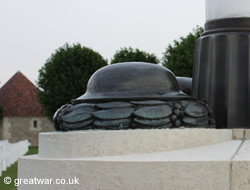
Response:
column 23, row 116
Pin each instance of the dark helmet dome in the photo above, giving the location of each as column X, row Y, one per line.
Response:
column 132, row 81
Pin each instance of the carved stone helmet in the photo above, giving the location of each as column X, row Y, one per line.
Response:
column 132, row 81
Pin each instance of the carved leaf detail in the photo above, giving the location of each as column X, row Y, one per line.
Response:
column 153, row 112
column 118, row 113
column 196, row 110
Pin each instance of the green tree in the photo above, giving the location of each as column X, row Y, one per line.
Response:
column 129, row 55
column 179, row 58
column 65, row 75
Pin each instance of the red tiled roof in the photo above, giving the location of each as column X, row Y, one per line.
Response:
column 18, row 97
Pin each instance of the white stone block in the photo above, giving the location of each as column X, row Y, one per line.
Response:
column 124, row 142
column 238, row 134
column 9, row 153
column 4, row 163
column 0, row 167
column 241, row 168
column 247, row 134
column 203, row 168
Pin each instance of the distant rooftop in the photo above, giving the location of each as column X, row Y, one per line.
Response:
column 18, row 97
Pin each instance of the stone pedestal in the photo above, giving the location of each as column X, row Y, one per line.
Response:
column 82, row 144
column 138, row 159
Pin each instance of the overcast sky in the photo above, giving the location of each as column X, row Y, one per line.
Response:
column 31, row 30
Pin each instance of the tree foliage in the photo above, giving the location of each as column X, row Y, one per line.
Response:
column 179, row 58
column 65, row 75
column 130, row 54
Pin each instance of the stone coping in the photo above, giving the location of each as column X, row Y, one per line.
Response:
column 213, row 167
column 207, row 159
column 94, row 143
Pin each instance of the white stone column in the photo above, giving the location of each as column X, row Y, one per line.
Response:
column 219, row 9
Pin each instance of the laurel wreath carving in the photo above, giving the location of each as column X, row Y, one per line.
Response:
column 121, row 115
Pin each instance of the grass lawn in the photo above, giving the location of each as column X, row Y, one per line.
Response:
column 12, row 172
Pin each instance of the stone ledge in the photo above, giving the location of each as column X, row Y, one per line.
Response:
column 240, row 134
column 125, row 142
column 241, row 168
column 206, row 159
column 206, row 168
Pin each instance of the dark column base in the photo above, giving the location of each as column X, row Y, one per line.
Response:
column 221, row 73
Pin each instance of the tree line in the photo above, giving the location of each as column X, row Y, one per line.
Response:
column 65, row 74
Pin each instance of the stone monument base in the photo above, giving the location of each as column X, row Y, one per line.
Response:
column 139, row 159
